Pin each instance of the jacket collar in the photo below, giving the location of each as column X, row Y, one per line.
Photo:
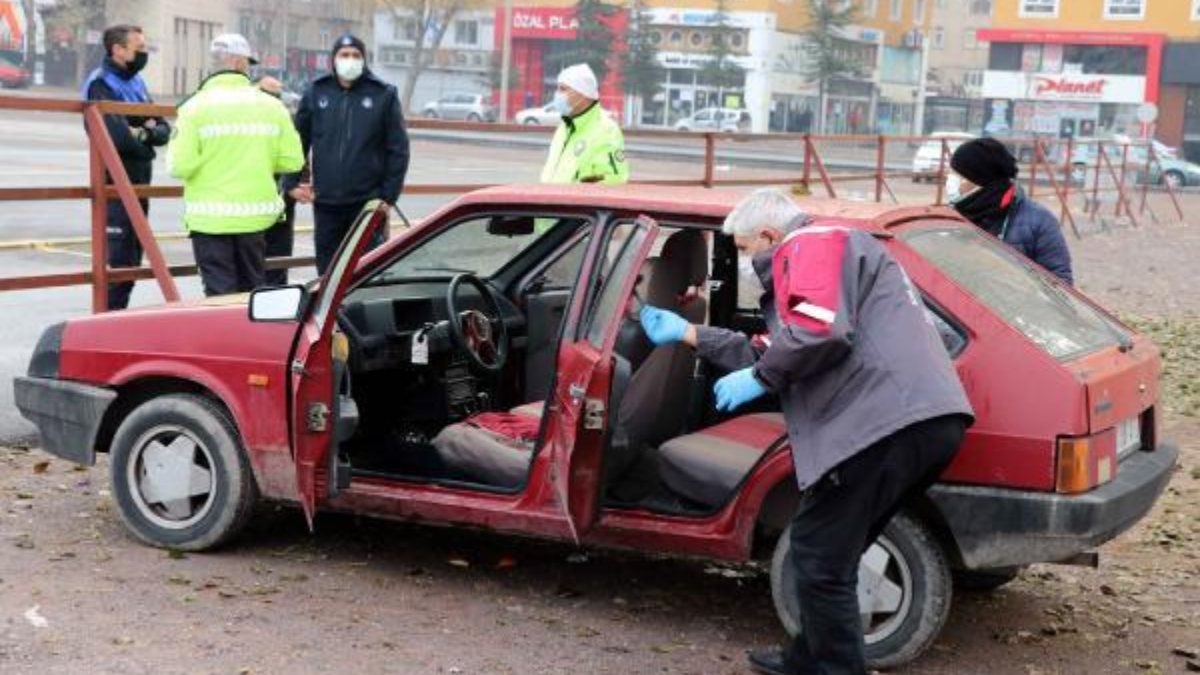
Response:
column 226, row 78
column 117, row 69
column 585, row 118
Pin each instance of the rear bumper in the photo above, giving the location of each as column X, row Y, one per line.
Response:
column 67, row 414
column 1001, row 528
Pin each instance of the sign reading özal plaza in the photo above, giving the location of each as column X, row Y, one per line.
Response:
column 1064, row 87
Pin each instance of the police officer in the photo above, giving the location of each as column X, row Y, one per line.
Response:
column 230, row 140
column 352, row 123
column 588, row 146
column 873, row 406
column 118, row 79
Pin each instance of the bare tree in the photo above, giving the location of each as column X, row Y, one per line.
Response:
column 430, row 20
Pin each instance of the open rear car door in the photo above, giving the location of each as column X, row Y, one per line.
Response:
column 315, row 407
column 579, row 423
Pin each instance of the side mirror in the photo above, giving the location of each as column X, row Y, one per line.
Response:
column 510, row 226
column 284, row 303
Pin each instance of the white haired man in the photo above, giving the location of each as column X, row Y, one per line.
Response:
column 873, row 406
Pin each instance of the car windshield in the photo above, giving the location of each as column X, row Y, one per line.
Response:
column 480, row 245
column 1047, row 313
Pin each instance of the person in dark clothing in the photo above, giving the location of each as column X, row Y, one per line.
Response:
column 982, row 187
column 351, row 122
column 874, row 409
column 118, row 79
column 280, row 237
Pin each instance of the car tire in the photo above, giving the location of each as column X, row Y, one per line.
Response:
column 529, row 121
column 985, row 580
column 148, row 459
column 911, row 559
column 1174, row 179
column 474, row 117
column 431, row 114
column 683, row 129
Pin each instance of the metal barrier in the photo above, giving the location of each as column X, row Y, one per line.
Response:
column 870, row 159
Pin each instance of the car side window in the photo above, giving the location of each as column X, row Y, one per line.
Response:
column 563, row 271
column 617, row 265
column 953, row 338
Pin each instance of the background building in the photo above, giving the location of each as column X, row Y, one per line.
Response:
column 957, row 60
column 295, row 39
column 462, row 65
column 1085, row 67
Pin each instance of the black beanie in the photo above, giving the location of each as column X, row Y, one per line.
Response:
column 984, row 161
column 348, row 40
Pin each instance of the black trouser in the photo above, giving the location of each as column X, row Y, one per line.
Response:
column 279, row 239
column 331, row 224
column 838, row 520
column 229, row 263
column 124, row 249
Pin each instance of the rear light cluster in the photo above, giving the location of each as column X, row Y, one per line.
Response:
column 1085, row 462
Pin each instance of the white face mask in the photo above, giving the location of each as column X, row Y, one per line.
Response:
column 953, row 187
column 348, row 68
column 561, row 105
column 747, row 275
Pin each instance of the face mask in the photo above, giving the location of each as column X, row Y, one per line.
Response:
column 953, row 188
column 138, row 62
column 747, row 275
column 349, row 69
column 560, row 103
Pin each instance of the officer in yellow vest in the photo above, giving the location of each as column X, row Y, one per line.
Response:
column 588, row 146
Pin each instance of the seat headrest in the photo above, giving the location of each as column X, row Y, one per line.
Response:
column 663, row 284
column 687, row 250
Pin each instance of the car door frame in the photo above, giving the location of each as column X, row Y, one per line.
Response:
column 313, row 390
column 576, row 432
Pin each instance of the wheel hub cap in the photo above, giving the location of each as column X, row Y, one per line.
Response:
column 172, row 479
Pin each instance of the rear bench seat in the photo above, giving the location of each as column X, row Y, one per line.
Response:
column 708, row 465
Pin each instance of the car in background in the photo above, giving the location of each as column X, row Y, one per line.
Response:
column 468, row 107
column 729, row 120
column 546, row 115
column 928, row 160
column 13, row 76
column 1169, row 169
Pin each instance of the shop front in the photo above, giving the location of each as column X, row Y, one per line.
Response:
column 1068, row 84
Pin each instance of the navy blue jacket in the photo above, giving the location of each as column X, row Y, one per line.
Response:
column 1034, row 231
column 137, row 156
column 358, row 141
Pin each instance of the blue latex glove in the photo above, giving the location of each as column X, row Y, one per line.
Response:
column 737, row 389
column 661, row 326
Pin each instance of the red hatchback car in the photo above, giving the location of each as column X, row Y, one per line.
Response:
column 14, row 76
column 482, row 369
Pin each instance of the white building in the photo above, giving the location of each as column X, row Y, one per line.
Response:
column 462, row 65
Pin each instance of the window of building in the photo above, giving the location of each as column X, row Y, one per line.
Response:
column 873, row 8
column 1105, row 60
column 696, row 38
column 1124, row 9
column 245, row 24
column 1005, row 56
column 970, row 39
column 981, row 7
column 919, row 12
column 1195, row 10
column 404, row 30
column 293, row 32
column 676, row 38
column 897, row 9
column 466, row 33
column 939, row 38
column 1039, row 9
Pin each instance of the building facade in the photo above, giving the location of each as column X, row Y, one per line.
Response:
column 957, row 61
column 294, row 40
column 1092, row 68
column 463, row 63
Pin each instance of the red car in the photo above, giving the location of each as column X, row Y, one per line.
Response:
column 482, row 369
column 14, row 77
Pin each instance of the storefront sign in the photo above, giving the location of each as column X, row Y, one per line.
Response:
column 1064, row 87
column 547, row 23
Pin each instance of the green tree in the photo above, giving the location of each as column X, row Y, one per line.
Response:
column 827, row 22
column 641, row 72
column 594, row 37
column 721, row 71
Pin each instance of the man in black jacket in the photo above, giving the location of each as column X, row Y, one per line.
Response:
column 351, row 122
column 118, row 79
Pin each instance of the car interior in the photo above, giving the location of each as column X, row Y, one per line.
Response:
column 462, row 402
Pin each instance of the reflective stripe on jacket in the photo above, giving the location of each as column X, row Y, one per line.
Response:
column 230, row 140
column 852, row 354
column 588, row 148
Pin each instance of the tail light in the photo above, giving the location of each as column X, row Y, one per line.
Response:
column 1086, row 461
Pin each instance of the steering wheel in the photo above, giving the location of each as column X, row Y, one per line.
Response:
column 483, row 338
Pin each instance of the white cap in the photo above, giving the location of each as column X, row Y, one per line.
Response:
column 580, row 78
column 232, row 44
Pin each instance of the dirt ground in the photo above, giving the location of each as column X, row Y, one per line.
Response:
column 78, row 595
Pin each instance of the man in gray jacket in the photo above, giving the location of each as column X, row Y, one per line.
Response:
column 874, row 409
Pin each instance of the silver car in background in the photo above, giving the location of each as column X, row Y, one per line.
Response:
column 469, row 107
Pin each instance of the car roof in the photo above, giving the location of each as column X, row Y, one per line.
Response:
column 685, row 201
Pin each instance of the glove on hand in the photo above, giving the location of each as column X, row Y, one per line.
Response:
column 661, row 326
column 737, row 389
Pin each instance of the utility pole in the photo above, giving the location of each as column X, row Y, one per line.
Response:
column 505, row 59
column 922, row 81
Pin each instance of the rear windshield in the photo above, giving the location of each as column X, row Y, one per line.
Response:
column 1045, row 312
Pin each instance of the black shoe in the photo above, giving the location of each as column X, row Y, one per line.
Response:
column 772, row 662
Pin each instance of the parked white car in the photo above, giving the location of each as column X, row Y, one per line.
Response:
column 469, row 107
column 929, row 155
column 731, row 120
column 544, row 115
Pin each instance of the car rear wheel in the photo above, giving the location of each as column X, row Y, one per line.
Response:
column 985, row 580
column 530, row 121
column 180, row 477
column 904, row 592
column 431, row 114
column 474, row 117
column 1174, row 179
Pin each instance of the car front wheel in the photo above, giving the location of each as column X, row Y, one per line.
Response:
column 904, row 592
column 1174, row 179
column 180, row 477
